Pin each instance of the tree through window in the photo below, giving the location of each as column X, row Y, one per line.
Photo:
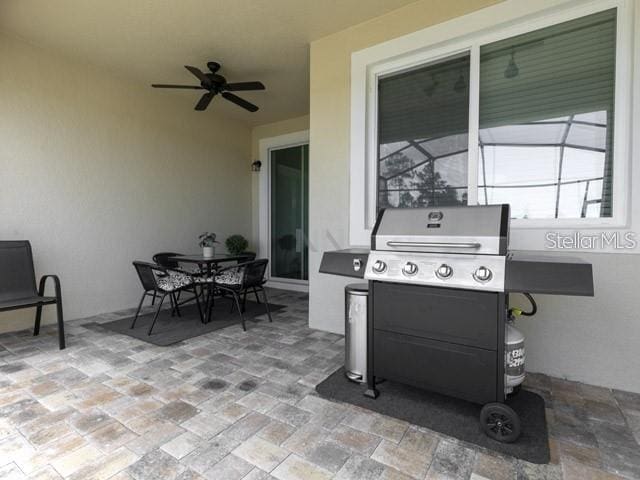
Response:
column 546, row 123
column 423, row 135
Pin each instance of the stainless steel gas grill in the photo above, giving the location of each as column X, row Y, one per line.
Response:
column 450, row 247
column 438, row 314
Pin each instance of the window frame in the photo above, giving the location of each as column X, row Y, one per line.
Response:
column 451, row 38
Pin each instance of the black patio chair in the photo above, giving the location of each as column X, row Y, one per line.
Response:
column 164, row 259
column 239, row 279
column 243, row 258
column 18, row 285
column 156, row 279
column 249, row 257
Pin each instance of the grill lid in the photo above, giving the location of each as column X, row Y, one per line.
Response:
column 482, row 229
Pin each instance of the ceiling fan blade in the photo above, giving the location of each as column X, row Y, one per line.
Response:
column 204, row 101
column 186, row 87
column 201, row 76
column 239, row 86
column 240, row 102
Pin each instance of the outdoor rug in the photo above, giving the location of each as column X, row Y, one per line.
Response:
column 451, row 416
column 169, row 330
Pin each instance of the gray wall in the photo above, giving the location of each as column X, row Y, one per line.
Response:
column 98, row 171
column 595, row 340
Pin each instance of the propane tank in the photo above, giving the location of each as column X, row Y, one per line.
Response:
column 513, row 357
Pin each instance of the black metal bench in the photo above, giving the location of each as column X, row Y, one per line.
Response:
column 18, row 284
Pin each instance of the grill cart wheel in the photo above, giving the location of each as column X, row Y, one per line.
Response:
column 500, row 422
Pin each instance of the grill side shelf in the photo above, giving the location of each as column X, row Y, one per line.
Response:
column 548, row 274
column 351, row 262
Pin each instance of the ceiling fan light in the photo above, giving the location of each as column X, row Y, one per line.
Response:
column 217, row 84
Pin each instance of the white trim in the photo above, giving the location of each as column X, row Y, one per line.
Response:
column 504, row 20
column 359, row 231
column 265, row 146
column 473, row 148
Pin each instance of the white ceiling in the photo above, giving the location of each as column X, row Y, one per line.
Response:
column 151, row 40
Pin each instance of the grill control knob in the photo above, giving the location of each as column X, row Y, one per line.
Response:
column 482, row 274
column 444, row 271
column 379, row 266
column 410, row 269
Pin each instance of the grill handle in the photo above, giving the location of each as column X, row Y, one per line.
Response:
column 471, row 245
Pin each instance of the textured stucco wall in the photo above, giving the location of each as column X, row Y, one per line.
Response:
column 97, row 171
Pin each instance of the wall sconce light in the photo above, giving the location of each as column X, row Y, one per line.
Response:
column 255, row 166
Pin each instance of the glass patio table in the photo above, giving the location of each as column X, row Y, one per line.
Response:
column 208, row 264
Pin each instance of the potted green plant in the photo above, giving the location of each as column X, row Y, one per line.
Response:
column 236, row 244
column 208, row 243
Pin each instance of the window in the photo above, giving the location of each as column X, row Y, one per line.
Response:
column 422, row 157
column 544, row 121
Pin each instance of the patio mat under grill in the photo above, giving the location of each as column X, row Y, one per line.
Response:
column 169, row 330
column 453, row 417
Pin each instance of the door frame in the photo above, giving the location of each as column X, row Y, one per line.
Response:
column 266, row 145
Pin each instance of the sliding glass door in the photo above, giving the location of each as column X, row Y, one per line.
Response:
column 289, row 172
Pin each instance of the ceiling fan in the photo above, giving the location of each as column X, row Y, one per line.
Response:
column 216, row 84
